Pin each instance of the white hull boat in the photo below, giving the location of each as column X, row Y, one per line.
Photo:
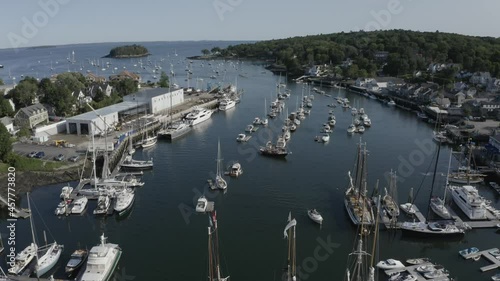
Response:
column 315, row 216
column 79, row 205
column 390, row 264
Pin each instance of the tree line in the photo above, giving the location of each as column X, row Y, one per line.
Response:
column 408, row 51
column 128, row 51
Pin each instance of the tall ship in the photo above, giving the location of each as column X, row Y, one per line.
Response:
column 198, row 115
column 356, row 201
column 214, row 269
column 278, row 150
column 470, row 202
column 290, row 271
column 464, row 174
column 101, row 263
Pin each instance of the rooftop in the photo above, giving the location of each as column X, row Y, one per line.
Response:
column 119, row 107
column 150, row 93
column 30, row 110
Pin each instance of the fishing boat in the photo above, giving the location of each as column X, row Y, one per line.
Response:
column 315, row 216
column 390, row 264
column 124, row 200
column 356, row 201
column 102, row 261
column 77, row 259
column 214, row 268
column 235, row 170
column 290, row 270
column 220, row 182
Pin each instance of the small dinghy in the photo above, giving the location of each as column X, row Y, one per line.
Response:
column 417, row 261
column 390, row 264
column 315, row 216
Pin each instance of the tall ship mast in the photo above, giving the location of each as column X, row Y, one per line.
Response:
column 214, row 270
column 290, row 271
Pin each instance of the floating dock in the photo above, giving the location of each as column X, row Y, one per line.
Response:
column 487, row 254
column 413, row 271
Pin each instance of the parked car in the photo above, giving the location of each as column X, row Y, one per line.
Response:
column 59, row 157
column 40, row 154
column 32, row 154
column 74, row 158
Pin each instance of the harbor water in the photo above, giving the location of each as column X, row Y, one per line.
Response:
column 164, row 239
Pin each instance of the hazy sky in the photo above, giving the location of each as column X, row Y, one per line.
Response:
column 54, row 22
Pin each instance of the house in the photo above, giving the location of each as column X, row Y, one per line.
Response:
column 31, row 116
column 481, row 78
column 8, row 123
column 460, row 97
column 459, row 86
column 443, row 102
column 488, row 106
column 314, row 71
column 363, row 82
column 125, row 75
column 104, row 87
column 347, row 63
column 92, row 78
column 493, row 86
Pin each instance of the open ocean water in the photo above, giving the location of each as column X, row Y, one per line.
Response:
column 163, row 239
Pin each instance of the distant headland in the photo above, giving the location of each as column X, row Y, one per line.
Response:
column 128, row 51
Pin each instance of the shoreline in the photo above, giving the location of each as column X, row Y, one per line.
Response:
column 126, row 56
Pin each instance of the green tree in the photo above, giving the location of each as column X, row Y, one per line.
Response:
column 25, row 92
column 205, row 52
column 1, row 82
column 6, row 146
column 5, row 107
column 24, row 131
column 215, row 50
column 125, row 87
column 99, row 95
column 164, row 82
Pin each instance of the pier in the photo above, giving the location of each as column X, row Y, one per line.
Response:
column 413, row 271
column 17, row 212
column 487, row 254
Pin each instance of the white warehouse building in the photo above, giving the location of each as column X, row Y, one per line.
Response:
column 159, row 100
column 150, row 101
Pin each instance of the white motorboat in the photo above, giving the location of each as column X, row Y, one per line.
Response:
column 361, row 129
column 226, row 104
column 103, row 205
column 287, row 135
column 469, row 201
column 315, row 216
column 175, row 130
column 332, row 123
column 264, row 122
column 390, row 264
column 62, row 208
column 402, row 276
column 198, row 115
column 391, row 103
column 257, row 121
column 367, row 122
column 425, row 268
column 242, row 138
column 417, row 261
column 325, row 138
column 436, row 274
column 101, row 262
column 66, row 192
column 236, row 170
column 408, row 208
column 79, row 205
column 131, row 164
column 201, row 205
column 124, row 200
column 351, row 129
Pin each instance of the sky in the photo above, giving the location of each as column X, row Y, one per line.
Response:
column 56, row 22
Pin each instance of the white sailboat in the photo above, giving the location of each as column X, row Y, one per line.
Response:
column 44, row 262
column 220, row 182
column 214, row 270
column 437, row 204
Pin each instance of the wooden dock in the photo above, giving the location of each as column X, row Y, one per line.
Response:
column 413, row 271
column 495, row 263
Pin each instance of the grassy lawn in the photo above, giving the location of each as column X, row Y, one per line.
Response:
column 23, row 163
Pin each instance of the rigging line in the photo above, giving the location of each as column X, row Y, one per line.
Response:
column 423, row 178
column 41, row 218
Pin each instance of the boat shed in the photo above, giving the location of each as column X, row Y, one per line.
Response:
column 93, row 121
column 159, row 100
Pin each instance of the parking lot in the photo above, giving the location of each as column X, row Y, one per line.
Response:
column 49, row 150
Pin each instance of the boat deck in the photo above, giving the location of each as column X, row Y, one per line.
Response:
column 495, row 263
column 413, row 271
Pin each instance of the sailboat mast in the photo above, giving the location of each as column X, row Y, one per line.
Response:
column 294, row 258
column 210, row 255
column 433, row 179
column 468, row 162
column 33, row 235
column 447, row 176
column 93, row 156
